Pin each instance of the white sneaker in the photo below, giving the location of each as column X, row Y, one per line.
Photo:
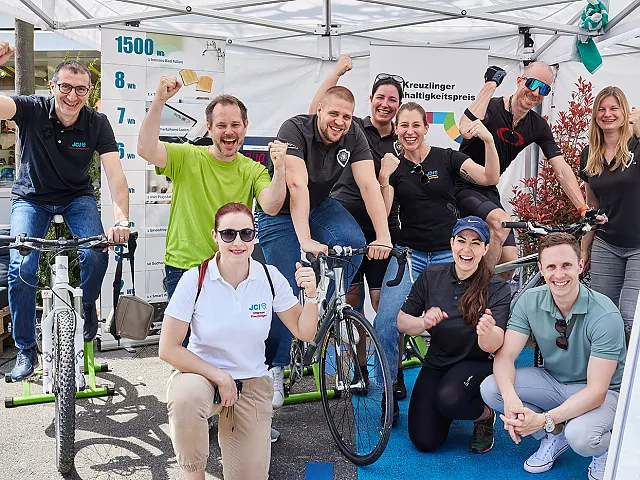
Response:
column 596, row 467
column 551, row 446
column 277, row 374
column 275, row 435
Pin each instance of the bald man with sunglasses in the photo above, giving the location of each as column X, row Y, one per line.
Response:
column 514, row 126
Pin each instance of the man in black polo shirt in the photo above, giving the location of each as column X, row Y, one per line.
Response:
column 385, row 99
column 59, row 136
column 514, row 126
column 319, row 148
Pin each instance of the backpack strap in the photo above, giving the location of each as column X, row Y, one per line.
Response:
column 202, row 270
column 266, row 270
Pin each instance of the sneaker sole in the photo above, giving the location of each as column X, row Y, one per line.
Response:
column 547, row 466
column 485, row 450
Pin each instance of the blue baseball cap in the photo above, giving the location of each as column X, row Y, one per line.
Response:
column 476, row 224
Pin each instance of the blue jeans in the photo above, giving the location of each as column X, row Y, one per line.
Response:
column 392, row 299
column 172, row 276
column 331, row 224
column 83, row 220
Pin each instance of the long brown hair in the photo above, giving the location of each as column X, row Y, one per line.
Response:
column 595, row 163
column 474, row 301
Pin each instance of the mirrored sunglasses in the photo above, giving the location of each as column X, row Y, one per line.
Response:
column 533, row 83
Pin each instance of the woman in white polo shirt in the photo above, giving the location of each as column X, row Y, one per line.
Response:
column 230, row 317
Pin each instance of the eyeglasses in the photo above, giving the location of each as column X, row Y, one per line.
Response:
column 384, row 76
column 533, row 83
column 228, row 235
column 562, row 341
column 424, row 179
column 81, row 90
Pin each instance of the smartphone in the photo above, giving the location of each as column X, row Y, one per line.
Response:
column 216, row 394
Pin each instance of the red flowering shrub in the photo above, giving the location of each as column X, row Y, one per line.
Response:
column 541, row 199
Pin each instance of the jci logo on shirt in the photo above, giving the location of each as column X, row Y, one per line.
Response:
column 258, row 310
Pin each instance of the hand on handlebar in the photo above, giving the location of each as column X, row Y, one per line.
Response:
column 118, row 235
column 596, row 216
column 311, row 246
column 379, row 249
column 306, row 279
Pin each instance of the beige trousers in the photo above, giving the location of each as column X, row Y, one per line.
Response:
column 243, row 429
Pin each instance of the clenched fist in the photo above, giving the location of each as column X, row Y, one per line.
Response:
column 278, row 152
column 6, row 51
column 343, row 65
column 167, row 88
column 634, row 121
column 485, row 324
column 389, row 164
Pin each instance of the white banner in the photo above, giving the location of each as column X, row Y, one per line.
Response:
column 132, row 63
column 444, row 80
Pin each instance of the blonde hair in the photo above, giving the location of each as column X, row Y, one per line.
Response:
column 595, row 162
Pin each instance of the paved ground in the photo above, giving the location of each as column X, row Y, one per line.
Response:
column 126, row 436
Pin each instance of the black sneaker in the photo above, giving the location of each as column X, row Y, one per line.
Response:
column 399, row 388
column 90, row 316
column 361, row 387
column 26, row 363
column 482, row 439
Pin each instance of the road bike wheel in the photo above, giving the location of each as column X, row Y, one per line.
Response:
column 64, row 380
column 359, row 412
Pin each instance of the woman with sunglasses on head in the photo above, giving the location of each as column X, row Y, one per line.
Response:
column 422, row 181
column 378, row 128
column 514, row 125
column 465, row 309
column 228, row 302
column 609, row 166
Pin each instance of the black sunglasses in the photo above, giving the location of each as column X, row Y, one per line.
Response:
column 385, row 76
column 228, row 235
column 562, row 341
column 424, row 179
column 81, row 90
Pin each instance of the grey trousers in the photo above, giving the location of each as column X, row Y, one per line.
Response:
column 615, row 272
column 588, row 435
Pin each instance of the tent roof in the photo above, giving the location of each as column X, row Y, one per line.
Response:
column 272, row 24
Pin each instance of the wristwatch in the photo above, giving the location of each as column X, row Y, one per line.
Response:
column 123, row 223
column 314, row 300
column 549, row 424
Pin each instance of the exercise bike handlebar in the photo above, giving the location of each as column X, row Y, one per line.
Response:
column 346, row 252
column 26, row 244
column 584, row 226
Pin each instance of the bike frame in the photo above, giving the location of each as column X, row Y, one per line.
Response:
column 326, row 317
column 55, row 301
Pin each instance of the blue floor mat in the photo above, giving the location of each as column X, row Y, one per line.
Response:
column 453, row 461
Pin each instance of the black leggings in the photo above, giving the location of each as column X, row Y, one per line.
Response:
column 443, row 395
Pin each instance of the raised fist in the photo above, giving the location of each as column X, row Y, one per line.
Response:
column 494, row 74
column 167, row 88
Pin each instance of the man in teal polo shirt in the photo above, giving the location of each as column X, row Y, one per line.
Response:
column 207, row 177
column 571, row 401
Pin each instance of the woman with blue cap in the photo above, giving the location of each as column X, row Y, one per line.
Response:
column 465, row 309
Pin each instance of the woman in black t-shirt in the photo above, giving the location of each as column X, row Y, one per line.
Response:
column 465, row 309
column 609, row 166
column 422, row 181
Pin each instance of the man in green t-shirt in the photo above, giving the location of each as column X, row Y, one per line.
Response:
column 571, row 401
column 207, row 177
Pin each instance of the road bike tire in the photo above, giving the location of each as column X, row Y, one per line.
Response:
column 359, row 418
column 64, row 381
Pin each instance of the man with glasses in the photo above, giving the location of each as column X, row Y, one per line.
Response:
column 59, row 137
column 514, row 126
column 571, row 401
column 378, row 128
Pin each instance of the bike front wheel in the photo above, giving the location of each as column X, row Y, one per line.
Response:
column 357, row 396
column 64, row 379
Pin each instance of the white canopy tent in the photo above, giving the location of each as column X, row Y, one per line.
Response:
column 303, row 27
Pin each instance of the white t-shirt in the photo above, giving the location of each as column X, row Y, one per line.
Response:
column 229, row 326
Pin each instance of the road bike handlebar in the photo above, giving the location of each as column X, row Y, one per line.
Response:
column 584, row 226
column 346, row 252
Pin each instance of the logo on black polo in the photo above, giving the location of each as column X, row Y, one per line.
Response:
column 343, row 157
column 397, row 147
column 47, row 133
